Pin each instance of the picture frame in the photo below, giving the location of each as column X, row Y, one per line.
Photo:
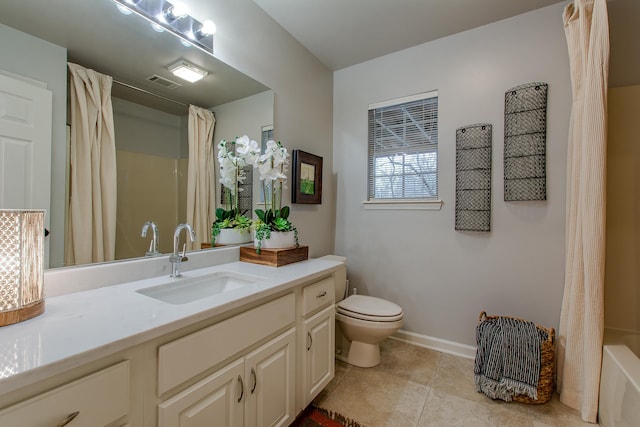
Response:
column 306, row 178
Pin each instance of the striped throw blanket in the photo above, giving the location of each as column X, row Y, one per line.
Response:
column 508, row 358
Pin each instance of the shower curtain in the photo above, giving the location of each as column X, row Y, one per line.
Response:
column 91, row 221
column 582, row 315
column 201, row 181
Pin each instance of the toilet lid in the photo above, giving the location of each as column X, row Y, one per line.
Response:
column 370, row 308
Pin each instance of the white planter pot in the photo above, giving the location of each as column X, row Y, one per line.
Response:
column 278, row 240
column 233, row 236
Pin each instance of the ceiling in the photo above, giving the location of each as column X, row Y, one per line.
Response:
column 341, row 33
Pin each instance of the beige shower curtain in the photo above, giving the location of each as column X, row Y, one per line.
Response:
column 582, row 316
column 201, row 181
column 91, row 222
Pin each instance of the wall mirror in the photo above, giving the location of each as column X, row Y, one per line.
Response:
column 150, row 117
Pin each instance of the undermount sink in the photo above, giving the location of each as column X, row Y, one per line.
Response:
column 182, row 290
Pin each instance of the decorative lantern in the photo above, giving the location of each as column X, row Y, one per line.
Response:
column 21, row 264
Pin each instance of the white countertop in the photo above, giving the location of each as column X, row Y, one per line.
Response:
column 81, row 327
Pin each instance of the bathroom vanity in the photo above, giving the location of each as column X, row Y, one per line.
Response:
column 239, row 343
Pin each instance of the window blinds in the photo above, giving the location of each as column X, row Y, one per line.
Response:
column 403, row 149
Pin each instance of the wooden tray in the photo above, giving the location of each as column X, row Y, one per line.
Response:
column 274, row 257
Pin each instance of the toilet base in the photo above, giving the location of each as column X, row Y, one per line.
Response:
column 363, row 355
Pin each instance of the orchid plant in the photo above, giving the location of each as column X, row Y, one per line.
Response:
column 272, row 166
column 232, row 158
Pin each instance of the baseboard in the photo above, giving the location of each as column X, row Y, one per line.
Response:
column 341, row 358
column 437, row 344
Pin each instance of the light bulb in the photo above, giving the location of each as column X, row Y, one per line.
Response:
column 208, row 28
column 179, row 9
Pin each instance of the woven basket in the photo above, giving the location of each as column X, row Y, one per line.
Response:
column 547, row 365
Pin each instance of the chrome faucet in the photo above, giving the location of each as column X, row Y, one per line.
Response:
column 176, row 259
column 153, row 246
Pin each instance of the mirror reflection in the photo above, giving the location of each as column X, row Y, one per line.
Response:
column 150, row 110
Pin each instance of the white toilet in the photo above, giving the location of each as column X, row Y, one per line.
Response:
column 364, row 320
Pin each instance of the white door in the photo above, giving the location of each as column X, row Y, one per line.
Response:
column 25, row 147
column 270, row 383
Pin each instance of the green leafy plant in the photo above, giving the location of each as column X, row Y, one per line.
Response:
column 229, row 219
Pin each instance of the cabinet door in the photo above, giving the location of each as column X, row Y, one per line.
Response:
column 318, row 360
column 216, row 400
column 270, row 374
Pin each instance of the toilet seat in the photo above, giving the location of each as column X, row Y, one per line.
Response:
column 368, row 308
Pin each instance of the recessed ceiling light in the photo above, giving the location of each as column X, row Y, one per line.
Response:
column 187, row 71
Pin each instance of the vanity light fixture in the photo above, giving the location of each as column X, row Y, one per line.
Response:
column 173, row 12
column 21, row 264
column 208, row 28
column 173, row 16
column 187, row 71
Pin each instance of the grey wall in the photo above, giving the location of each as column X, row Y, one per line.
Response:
column 249, row 40
column 29, row 56
column 144, row 130
column 245, row 116
column 441, row 277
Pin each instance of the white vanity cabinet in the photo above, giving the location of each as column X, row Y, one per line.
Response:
column 318, row 344
column 255, row 361
column 99, row 399
column 257, row 388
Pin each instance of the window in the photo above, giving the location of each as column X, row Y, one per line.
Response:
column 403, row 149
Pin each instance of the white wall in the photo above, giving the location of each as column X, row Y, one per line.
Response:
column 47, row 63
column 250, row 41
column 441, row 277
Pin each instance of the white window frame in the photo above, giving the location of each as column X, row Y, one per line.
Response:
column 429, row 203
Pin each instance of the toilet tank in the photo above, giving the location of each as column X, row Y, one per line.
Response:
column 340, row 276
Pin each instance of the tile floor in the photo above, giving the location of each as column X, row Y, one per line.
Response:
column 418, row 387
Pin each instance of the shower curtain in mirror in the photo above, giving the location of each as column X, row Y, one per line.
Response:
column 201, row 181
column 91, row 222
column 582, row 316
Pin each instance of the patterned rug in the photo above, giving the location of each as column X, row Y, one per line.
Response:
column 319, row 417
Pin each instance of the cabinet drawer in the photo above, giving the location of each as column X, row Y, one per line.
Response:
column 99, row 399
column 186, row 357
column 318, row 295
